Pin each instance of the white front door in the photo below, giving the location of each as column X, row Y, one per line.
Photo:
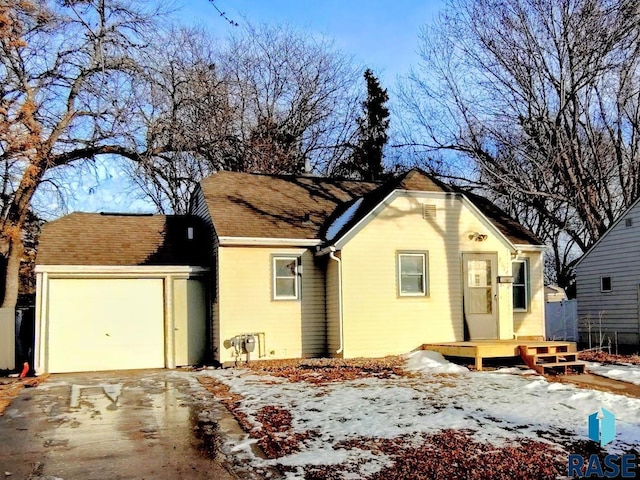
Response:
column 479, row 278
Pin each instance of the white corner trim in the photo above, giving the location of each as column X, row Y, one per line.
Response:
column 268, row 242
column 119, row 270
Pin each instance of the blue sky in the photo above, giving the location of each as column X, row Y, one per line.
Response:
column 380, row 34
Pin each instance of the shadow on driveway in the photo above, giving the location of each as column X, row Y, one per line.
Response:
column 116, row 425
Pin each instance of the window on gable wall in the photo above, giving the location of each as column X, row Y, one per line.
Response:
column 605, row 284
column 285, row 278
column 520, row 271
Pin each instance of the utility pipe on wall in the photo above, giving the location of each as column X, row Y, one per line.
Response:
column 332, row 255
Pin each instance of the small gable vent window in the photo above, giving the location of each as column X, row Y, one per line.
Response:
column 605, row 284
column 628, row 222
column 428, row 211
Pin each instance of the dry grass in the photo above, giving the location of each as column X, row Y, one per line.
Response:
column 275, row 434
column 451, row 454
column 609, row 358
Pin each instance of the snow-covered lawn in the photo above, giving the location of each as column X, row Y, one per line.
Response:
column 624, row 372
column 339, row 422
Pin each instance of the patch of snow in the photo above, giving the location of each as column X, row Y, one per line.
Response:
column 493, row 406
column 515, row 371
column 427, row 361
column 625, row 373
column 339, row 223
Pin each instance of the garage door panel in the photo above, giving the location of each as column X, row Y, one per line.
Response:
column 105, row 324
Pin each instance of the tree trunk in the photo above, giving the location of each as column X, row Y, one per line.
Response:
column 12, row 274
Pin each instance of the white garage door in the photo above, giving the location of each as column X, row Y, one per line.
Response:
column 105, row 324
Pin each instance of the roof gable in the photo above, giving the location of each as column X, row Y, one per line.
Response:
column 604, row 237
column 123, row 239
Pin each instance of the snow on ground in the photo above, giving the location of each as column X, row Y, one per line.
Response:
column 496, row 406
column 625, row 373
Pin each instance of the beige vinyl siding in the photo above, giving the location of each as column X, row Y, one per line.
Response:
column 379, row 322
column 292, row 328
column 531, row 322
column 189, row 306
column 333, row 308
column 615, row 256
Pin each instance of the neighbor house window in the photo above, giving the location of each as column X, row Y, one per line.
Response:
column 285, row 278
column 520, row 273
column 412, row 274
column 605, row 284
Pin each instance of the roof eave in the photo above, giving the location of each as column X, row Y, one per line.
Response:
column 231, row 241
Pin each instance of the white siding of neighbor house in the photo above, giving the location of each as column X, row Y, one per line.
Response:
column 616, row 255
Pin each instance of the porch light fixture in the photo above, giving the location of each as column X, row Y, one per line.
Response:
column 478, row 237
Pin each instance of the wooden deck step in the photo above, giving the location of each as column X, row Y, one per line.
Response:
column 556, row 357
column 552, row 360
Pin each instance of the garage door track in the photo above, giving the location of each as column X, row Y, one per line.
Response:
column 116, row 425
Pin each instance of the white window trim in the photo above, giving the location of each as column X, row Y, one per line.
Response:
column 526, row 285
column 425, row 264
column 602, row 290
column 274, row 277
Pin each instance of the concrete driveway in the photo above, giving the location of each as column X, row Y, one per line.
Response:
column 114, row 425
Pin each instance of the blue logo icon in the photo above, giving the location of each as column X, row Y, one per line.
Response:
column 602, row 426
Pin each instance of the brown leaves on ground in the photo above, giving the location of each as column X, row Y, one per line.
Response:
column 277, row 438
column 9, row 391
column 451, row 454
column 275, row 435
column 12, row 388
column 604, row 357
column 321, row 371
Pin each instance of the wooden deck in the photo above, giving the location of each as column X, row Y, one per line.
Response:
column 481, row 349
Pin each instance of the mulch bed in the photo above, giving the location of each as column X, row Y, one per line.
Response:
column 320, row 371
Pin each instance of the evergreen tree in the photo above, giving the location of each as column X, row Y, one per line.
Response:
column 366, row 161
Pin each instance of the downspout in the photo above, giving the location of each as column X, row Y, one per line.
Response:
column 332, row 255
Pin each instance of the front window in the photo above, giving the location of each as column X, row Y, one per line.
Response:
column 412, row 274
column 285, row 278
column 520, row 285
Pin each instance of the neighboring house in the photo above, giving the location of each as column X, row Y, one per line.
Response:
column 554, row 293
column 305, row 266
column 121, row 292
column 313, row 266
column 608, row 285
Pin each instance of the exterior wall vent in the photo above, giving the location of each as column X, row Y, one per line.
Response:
column 628, row 222
column 428, row 211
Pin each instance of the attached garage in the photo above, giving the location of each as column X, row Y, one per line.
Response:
column 121, row 292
